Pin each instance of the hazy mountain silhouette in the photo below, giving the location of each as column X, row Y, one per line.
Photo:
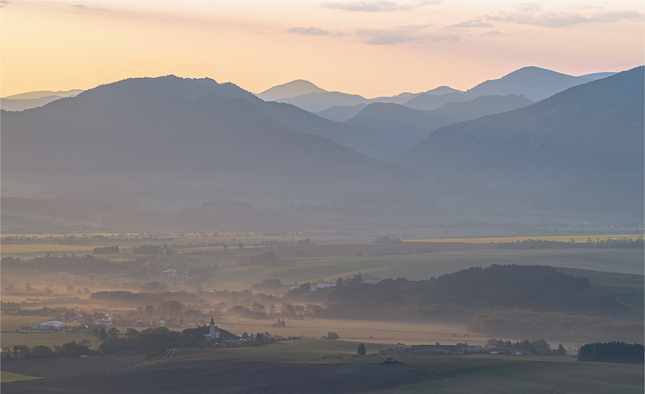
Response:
column 429, row 102
column 22, row 101
column 44, row 93
column 484, row 105
column 290, row 89
column 596, row 76
column 367, row 141
column 316, row 102
column 593, row 131
column 412, row 126
column 441, row 90
column 185, row 137
column 341, row 113
column 533, row 82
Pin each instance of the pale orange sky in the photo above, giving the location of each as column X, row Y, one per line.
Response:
column 369, row 48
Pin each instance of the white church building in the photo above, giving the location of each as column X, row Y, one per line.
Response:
column 213, row 331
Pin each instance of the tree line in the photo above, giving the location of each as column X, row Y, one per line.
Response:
column 612, row 352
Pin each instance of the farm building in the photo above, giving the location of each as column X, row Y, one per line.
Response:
column 48, row 325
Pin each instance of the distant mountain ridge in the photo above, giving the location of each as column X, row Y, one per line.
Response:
column 534, row 83
column 201, row 137
column 22, row 101
column 588, row 131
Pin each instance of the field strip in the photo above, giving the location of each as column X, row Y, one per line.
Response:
column 557, row 238
column 7, row 377
column 36, row 248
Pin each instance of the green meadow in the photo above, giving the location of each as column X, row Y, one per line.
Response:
column 455, row 374
column 425, row 266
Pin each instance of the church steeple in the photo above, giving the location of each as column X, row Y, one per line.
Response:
column 212, row 321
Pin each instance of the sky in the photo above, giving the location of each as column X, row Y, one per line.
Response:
column 371, row 48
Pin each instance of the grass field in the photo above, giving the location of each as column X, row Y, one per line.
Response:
column 31, row 338
column 391, row 332
column 425, row 266
column 6, row 377
column 458, row 374
column 524, row 374
column 557, row 238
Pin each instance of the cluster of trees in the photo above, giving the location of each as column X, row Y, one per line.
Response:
column 331, row 336
column 509, row 286
column 70, row 349
column 539, row 346
column 268, row 284
column 612, row 352
column 157, row 339
column 106, row 250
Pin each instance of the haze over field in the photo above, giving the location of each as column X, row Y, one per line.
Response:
column 316, row 196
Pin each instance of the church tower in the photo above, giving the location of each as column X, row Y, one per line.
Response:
column 211, row 328
column 213, row 331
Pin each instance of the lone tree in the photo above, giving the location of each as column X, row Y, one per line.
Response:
column 361, row 350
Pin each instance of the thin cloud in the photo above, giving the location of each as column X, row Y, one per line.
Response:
column 388, row 37
column 81, row 6
column 4, row 3
column 308, row 31
column 492, row 33
column 473, row 23
column 399, row 36
column 554, row 20
column 414, row 27
column 376, row 6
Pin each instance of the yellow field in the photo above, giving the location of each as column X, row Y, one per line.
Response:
column 61, row 235
column 557, row 238
column 7, row 377
column 38, row 248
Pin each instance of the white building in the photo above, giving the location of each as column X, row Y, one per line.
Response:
column 213, row 331
column 48, row 325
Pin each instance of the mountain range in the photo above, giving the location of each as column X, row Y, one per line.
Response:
column 534, row 83
column 195, row 139
column 588, row 133
column 185, row 137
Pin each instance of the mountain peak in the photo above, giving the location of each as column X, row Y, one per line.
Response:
column 534, row 82
column 294, row 88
